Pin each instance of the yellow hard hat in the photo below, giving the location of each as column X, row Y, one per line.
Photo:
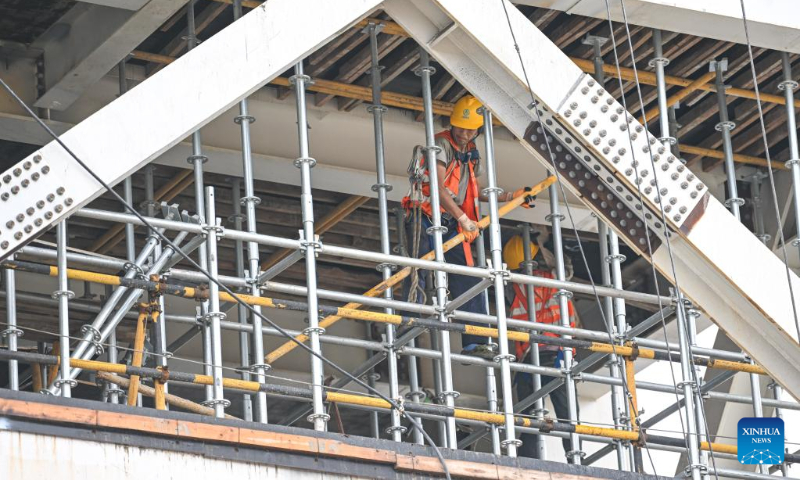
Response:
column 514, row 254
column 465, row 113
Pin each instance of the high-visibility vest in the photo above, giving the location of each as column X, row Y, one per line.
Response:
column 548, row 310
column 452, row 182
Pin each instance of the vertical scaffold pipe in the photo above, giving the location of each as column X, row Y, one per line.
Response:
column 761, row 232
column 377, row 109
column 620, row 326
column 659, row 62
column 788, row 85
column 415, row 394
column 12, row 332
column 491, row 381
column 733, row 202
column 691, row 317
column 688, row 386
column 614, row 365
column 241, row 312
column 538, row 406
column 725, row 126
column 197, row 159
column 310, row 244
column 250, row 201
column 212, row 229
column 511, row 443
column 65, row 383
column 575, row 454
column 425, row 72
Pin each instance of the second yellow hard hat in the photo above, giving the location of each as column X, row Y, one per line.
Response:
column 514, row 253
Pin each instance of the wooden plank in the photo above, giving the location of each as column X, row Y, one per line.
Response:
column 44, row 411
column 543, row 17
column 204, row 431
column 138, row 354
column 512, row 473
column 278, row 441
column 335, row 448
column 124, row 421
column 457, row 468
column 361, row 62
column 405, row 62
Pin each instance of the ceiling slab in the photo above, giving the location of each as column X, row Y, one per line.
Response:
column 772, row 23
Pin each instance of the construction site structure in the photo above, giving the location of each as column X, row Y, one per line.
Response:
column 209, row 269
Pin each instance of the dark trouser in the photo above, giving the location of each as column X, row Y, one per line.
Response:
column 524, row 383
column 456, row 284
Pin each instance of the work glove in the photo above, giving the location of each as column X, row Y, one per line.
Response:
column 529, row 199
column 468, row 228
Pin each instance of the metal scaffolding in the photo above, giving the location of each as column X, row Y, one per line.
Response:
column 152, row 272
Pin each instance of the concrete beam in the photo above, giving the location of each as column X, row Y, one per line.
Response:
column 771, row 24
column 139, row 126
column 89, row 41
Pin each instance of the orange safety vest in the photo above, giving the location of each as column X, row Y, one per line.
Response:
column 547, row 310
column 452, row 181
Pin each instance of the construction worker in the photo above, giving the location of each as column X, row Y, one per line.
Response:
column 458, row 169
column 547, row 311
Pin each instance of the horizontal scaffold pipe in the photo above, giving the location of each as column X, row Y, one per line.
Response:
column 378, row 258
column 113, row 264
column 202, row 293
column 545, row 425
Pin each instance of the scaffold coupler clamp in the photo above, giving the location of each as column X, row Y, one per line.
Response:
column 400, row 402
column 547, row 425
column 12, row 331
column 128, row 266
column 515, row 442
column 687, row 471
column 575, row 453
column 316, row 245
column 489, row 190
column 634, row 350
column 502, row 271
column 640, row 442
column 259, row 368
column 549, row 217
column 371, row 24
column 89, row 329
column 303, row 78
column 216, row 227
column 212, row 402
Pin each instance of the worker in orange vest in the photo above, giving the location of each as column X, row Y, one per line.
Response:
column 458, row 169
column 547, row 311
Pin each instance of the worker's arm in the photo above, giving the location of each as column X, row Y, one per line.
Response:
column 504, row 196
column 445, row 198
column 468, row 226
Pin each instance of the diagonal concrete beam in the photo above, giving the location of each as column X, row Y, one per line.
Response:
column 137, row 127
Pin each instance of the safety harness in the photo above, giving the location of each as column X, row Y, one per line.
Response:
column 418, row 197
